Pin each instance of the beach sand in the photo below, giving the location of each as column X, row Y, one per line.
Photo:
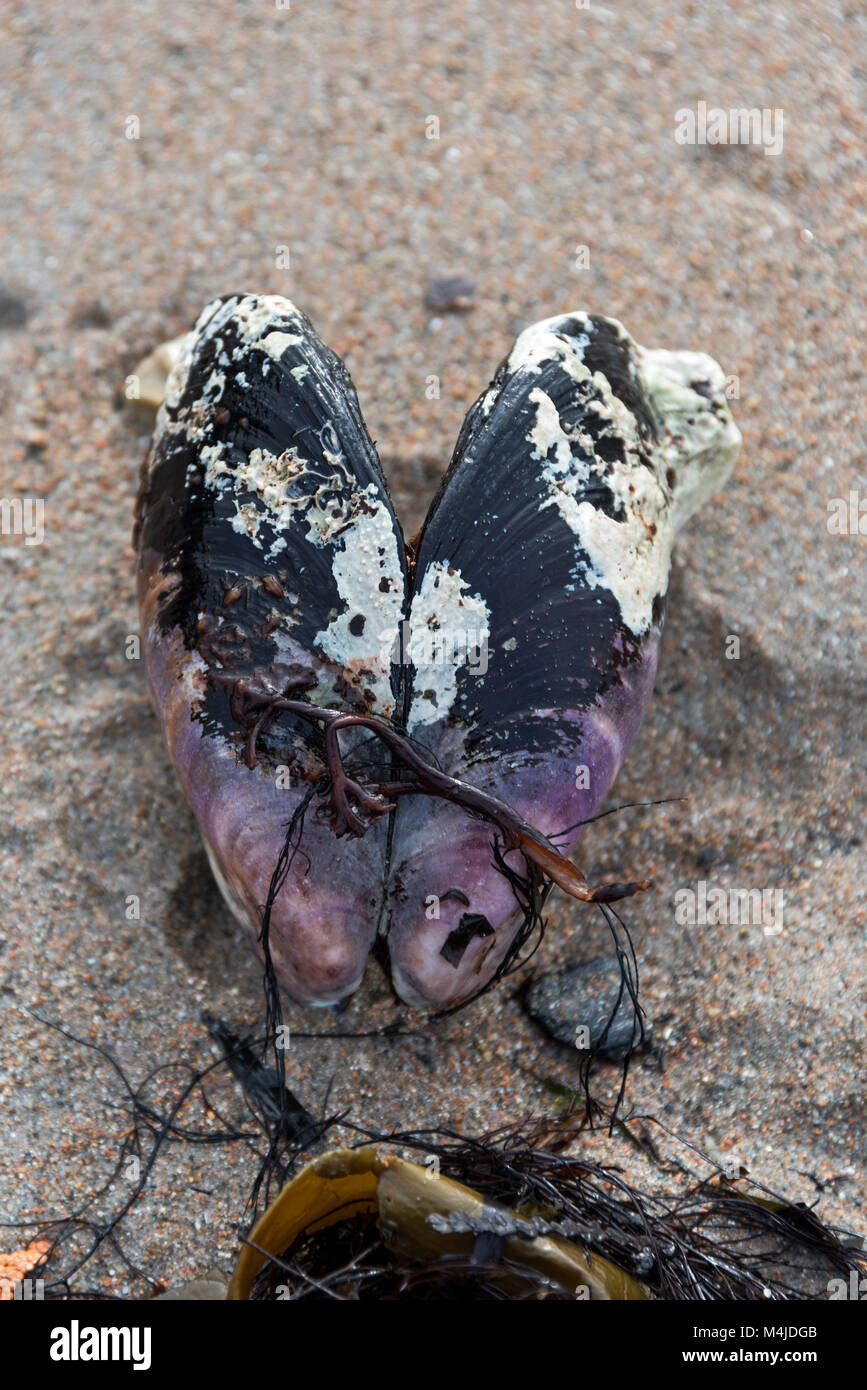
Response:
column 260, row 129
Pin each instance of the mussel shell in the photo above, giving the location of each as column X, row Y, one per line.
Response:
column 551, row 532
column 518, row 651
column 269, row 554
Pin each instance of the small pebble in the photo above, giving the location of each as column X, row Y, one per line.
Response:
column 449, row 294
column 584, row 996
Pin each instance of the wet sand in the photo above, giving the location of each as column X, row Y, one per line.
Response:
column 262, row 129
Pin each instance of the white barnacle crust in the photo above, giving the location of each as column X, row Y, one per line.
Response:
column 194, row 679
column 369, row 578
column 446, row 621
column 256, row 312
column 549, row 341
column 322, row 496
column 262, row 322
column 275, row 344
column 655, row 485
column 548, row 434
column 628, row 554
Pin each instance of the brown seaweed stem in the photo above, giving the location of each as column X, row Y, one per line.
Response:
column 426, row 779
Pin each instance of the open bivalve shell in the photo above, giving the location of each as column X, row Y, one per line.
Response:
column 422, row 1216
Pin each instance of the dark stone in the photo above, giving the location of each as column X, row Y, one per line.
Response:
column 449, row 293
column 561, row 1001
column 706, row 856
column 13, row 310
column 91, row 315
